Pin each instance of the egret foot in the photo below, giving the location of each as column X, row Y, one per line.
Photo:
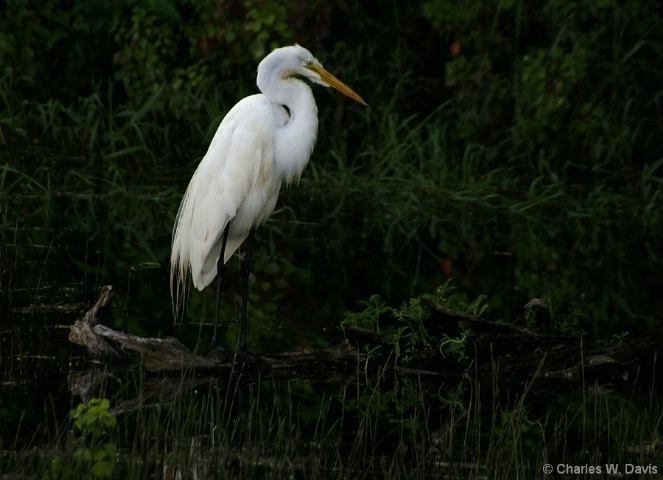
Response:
column 216, row 350
column 249, row 357
column 241, row 357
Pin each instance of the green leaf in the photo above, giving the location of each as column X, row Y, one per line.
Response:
column 102, row 469
column 83, row 455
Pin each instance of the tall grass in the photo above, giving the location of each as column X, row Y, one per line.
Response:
column 391, row 196
column 407, row 199
column 527, row 164
column 485, row 169
column 378, row 428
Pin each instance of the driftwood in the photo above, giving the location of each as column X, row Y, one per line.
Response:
column 514, row 356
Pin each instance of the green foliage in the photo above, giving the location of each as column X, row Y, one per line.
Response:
column 455, row 347
column 415, row 313
column 524, row 160
column 571, row 324
column 183, row 48
column 532, row 173
column 383, row 427
column 94, row 417
column 446, row 296
column 92, row 457
column 369, row 317
column 512, row 145
column 399, row 408
column 46, row 49
column 407, row 327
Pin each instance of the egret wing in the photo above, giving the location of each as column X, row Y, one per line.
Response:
column 241, row 149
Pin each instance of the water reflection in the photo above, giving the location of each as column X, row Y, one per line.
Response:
column 244, row 424
column 376, row 423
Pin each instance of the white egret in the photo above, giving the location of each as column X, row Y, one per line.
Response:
column 264, row 141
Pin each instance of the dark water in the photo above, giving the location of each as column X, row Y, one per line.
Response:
column 38, row 361
column 36, row 355
column 58, row 248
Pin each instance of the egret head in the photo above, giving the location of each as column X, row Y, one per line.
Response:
column 296, row 61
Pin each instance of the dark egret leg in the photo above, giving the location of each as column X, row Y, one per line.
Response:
column 246, row 270
column 220, row 266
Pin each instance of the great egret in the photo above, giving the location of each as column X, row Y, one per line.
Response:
column 264, row 141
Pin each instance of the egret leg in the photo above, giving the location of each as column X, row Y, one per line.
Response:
column 246, row 269
column 220, row 266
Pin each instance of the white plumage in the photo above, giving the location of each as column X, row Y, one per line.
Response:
column 259, row 146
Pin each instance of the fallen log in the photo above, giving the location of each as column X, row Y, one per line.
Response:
column 513, row 355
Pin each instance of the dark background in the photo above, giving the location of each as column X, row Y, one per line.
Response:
column 512, row 146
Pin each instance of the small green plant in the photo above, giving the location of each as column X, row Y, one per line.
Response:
column 375, row 308
column 407, row 327
column 455, row 346
column 616, row 339
column 415, row 312
column 92, row 458
column 571, row 324
column 446, row 297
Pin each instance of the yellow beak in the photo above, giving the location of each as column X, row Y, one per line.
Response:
column 335, row 83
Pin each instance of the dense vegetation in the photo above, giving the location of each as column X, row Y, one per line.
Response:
column 511, row 150
column 515, row 146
